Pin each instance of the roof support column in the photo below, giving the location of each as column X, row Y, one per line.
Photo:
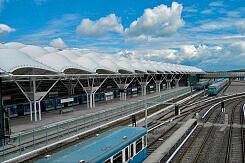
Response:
column 27, row 97
column 90, row 91
column 34, row 99
column 168, row 83
column 123, row 85
column 143, row 83
column 43, row 94
column 177, row 79
column 158, row 80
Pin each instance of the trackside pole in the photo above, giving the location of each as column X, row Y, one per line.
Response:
column 145, row 115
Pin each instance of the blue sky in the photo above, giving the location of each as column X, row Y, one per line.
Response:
column 206, row 34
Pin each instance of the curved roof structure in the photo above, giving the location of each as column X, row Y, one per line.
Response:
column 50, row 49
column 14, row 45
column 62, row 64
column 34, row 51
column 16, row 62
column 17, row 58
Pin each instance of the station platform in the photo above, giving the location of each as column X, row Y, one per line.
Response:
column 236, row 86
column 52, row 117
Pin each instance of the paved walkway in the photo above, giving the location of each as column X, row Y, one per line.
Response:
column 23, row 123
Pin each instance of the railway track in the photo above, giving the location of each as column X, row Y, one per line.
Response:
column 234, row 148
column 161, row 134
column 158, row 140
column 196, row 146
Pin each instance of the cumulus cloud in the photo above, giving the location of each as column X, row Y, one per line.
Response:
column 110, row 23
column 159, row 21
column 58, row 43
column 5, row 30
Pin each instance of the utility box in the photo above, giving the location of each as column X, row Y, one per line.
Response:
column 133, row 120
column 222, row 106
column 177, row 111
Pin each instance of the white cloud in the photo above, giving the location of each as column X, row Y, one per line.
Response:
column 136, row 39
column 100, row 27
column 238, row 48
column 222, row 24
column 241, row 26
column 159, row 21
column 5, row 30
column 208, row 11
column 58, row 43
column 216, row 4
column 171, row 56
column 190, row 9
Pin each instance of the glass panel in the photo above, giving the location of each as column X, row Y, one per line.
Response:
column 117, row 158
column 138, row 145
column 132, row 150
column 126, row 154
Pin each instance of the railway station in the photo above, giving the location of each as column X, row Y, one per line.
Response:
column 56, row 99
column 122, row 81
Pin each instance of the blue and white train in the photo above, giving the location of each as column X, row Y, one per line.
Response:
column 55, row 103
column 201, row 85
column 215, row 88
column 121, row 144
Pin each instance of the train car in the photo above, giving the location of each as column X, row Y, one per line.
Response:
column 129, row 91
column 58, row 103
column 49, row 104
column 121, row 144
column 215, row 88
column 11, row 110
column 116, row 93
column 134, row 91
column 26, row 108
column 99, row 96
column 150, row 88
column 201, row 85
column 83, row 99
column 74, row 102
column 108, row 96
column 139, row 89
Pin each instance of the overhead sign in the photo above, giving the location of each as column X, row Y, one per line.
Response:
column 134, row 89
column 67, row 100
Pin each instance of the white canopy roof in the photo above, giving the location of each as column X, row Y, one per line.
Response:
column 34, row 51
column 60, row 63
column 12, row 60
column 16, row 56
column 14, row 45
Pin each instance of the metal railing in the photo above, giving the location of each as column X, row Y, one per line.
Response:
column 37, row 138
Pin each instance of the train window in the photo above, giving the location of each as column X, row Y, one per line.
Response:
column 132, row 150
column 126, row 154
column 117, row 158
column 107, row 161
column 138, row 145
column 145, row 140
